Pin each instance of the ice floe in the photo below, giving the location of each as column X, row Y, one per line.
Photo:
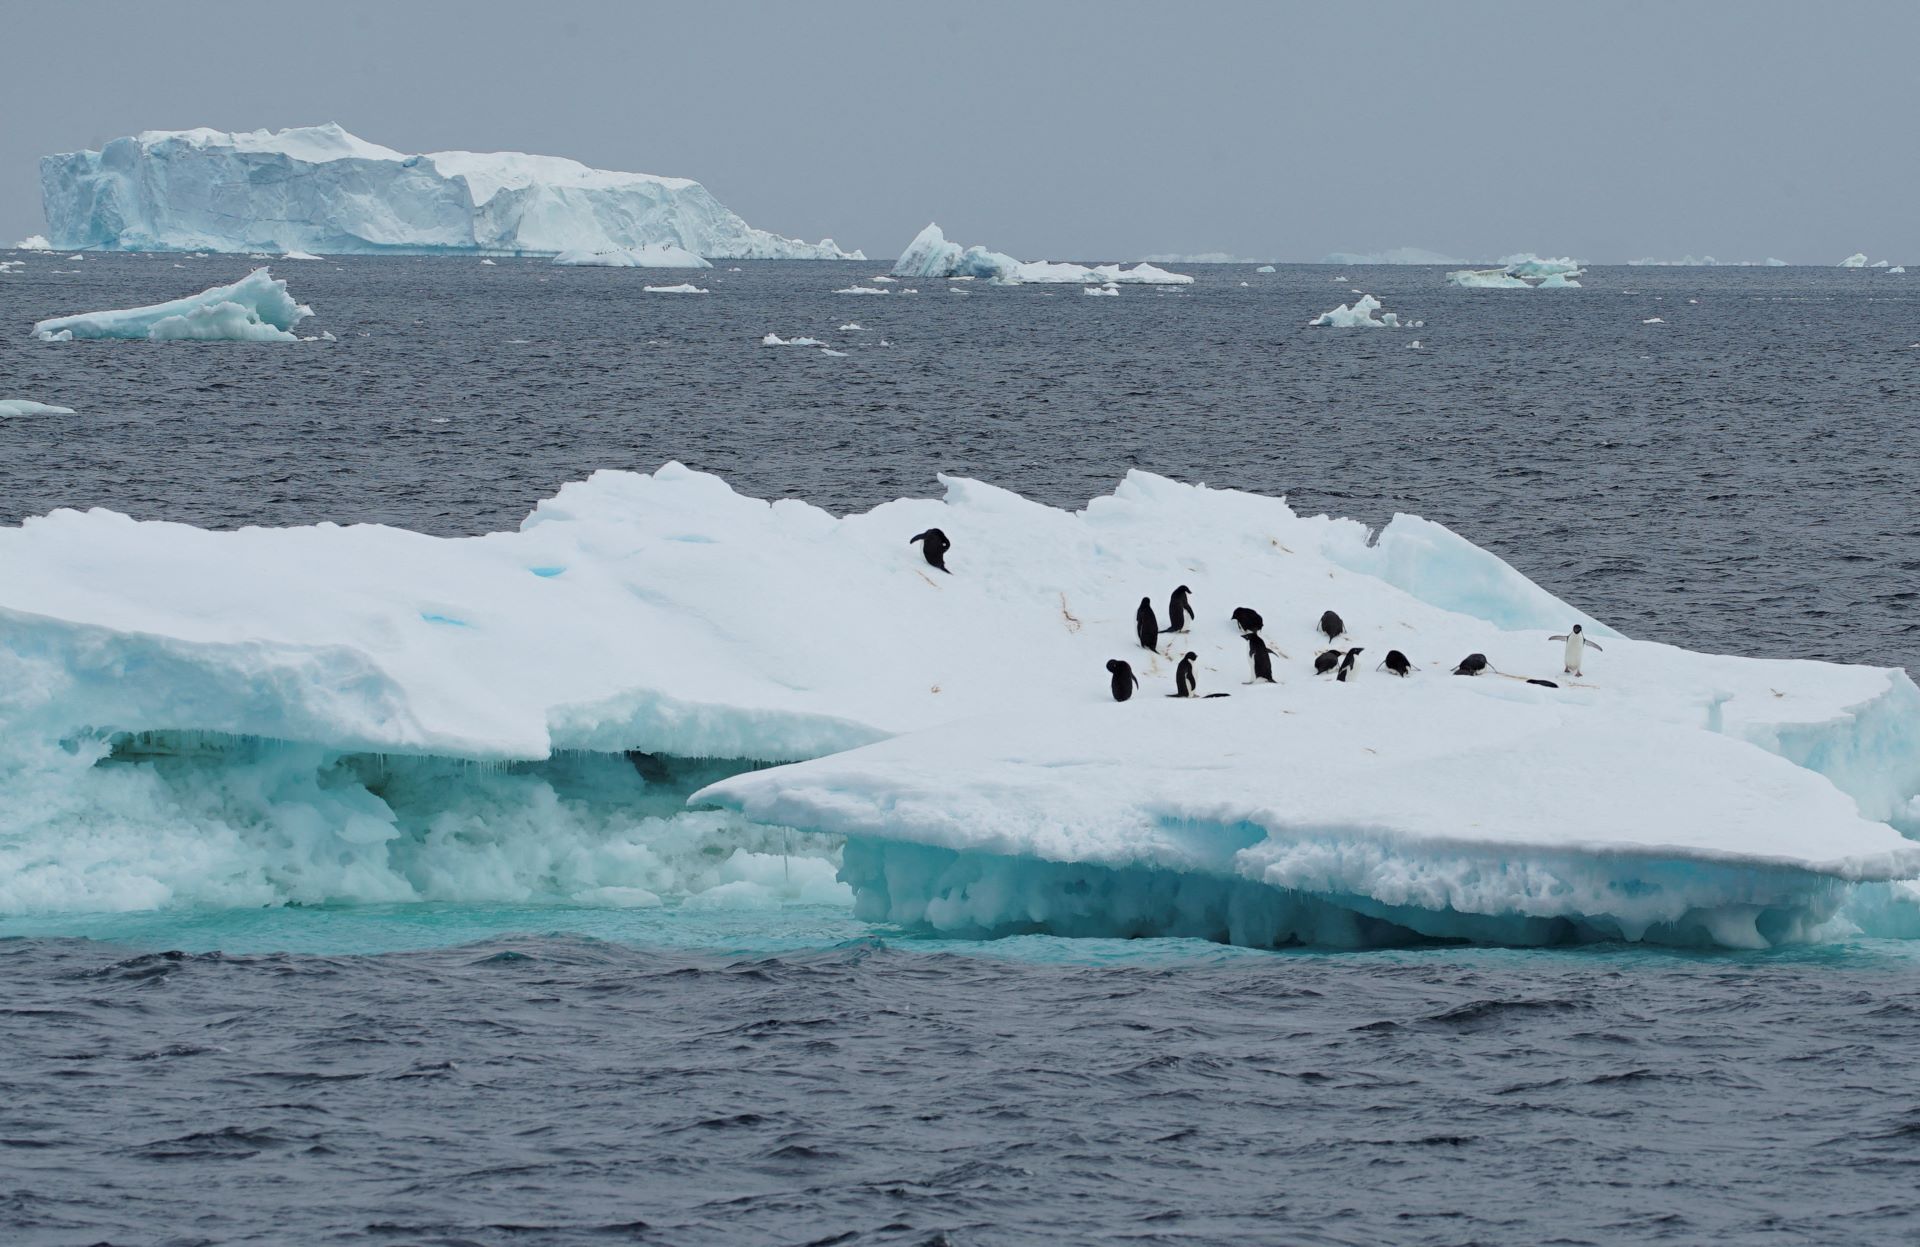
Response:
column 685, row 287
column 1857, row 260
column 27, row 407
column 33, row 242
column 264, row 715
column 774, row 339
column 1361, row 315
column 931, row 255
column 257, row 308
column 1519, row 272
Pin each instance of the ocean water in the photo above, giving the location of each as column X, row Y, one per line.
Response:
column 1735, row 477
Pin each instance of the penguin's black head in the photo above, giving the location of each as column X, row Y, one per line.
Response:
column 1355, row 650
column 1183, row 589
column 1192, row 657
column 1576, row 627
column 1117, row 665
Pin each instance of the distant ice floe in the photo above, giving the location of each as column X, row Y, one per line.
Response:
column 868, row 290
column 851, row 327
column 33, row 242
column 12, row 266
column 1108, row 289
column 774, row 339
column 489, row 263
column 1857, row 260
column 1360, row 316
column 257, row 308
column 1898, row 268
column 1705, row 262
column 300, row 255
column 1396, row 255
column 827, row 350
column 1521, row 272
column 653, row 255
column 1653, row 320
column 26, row 407
column 685, row 287
column 931, row 255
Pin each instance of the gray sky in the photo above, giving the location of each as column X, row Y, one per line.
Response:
column 1060, row 129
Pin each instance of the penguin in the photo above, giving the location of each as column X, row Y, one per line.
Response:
column 1346, row 664
column 1397, row 663
column 1577, row 646
column 1544, row 683
column 1183, row 675
column 1145, row 626
column 1179, row 610
column 1326, row 660
column 1124, row 681
column 1472, row 664
column 1332, row 625
column 1261, row 657
column 935, row 547
column 1248, row 619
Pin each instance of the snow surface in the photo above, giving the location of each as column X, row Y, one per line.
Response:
column 1396, row 255
column 652, row 255
column 321, row 189
column 202, row 717
column 26, row 407
column 931, row 255
column 1359, row 316
column 257, row 308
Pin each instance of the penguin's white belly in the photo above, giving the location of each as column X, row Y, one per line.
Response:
column 1576, row 647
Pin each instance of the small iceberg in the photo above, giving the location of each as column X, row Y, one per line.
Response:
column 1107, row 289
column 25, row 407
column 1898, row 268
column 300, row 255
column 1857, row 260
column 33, row 242
column 1265, row 268
column 652, row 255
column 1359, row 316
column 1521, row 272
column 257, row 308
column 774, row 339
column 866, row 290
column 12, row 266
column 1653, row 320
column 685, row 287
column 931, row 255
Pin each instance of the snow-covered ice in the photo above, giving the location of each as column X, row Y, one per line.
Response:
column 652, row 255
column 27, row 407
column 257, row 308
column 1361, row 315
column 321, row 189
column 685, row 287
column 931, row 255
column 190, row 716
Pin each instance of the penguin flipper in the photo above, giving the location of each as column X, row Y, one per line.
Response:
column 1596, row 645
column 1561, row 636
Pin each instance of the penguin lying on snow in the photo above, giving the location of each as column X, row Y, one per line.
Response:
column 1331, row 624
column 1472, row 664
column 935, row 546
column 1124, row 681
column 1145, row 626
column 1248, row 619
column 1397, row 663
column 1326, row 660
column 1577, row 646
column 1179, row 610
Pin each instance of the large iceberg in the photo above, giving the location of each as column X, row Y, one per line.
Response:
column 931, row 255
column 364, row 713
column 321, row 189
column 1521, row 272
column 257, row 308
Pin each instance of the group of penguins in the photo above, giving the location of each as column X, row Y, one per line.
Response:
column 934, row 545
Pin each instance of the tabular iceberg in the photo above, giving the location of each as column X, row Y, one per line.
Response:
column 931, row 255
column 257, row 308
column 321, row 189
column 270, row 715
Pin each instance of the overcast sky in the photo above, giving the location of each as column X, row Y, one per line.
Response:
column 1075, row 130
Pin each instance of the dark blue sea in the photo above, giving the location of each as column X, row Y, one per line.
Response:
column 1739, row 475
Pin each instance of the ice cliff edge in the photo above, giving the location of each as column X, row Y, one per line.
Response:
column 321, row 189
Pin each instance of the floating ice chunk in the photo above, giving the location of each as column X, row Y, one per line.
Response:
column 33, row 242
column 321, row 189
column 1653, row 320
column 299, row 255
column 1101, row 290
column 257, row 308
column 1359, row 316
column 488, row 263
column 931, row 255
column 774, row 339
column 1898, row 268
column 825, row 350
column 1414, row 345
column 1857, row 260
column 865, row 290
column 884, row 279
column 1879, row 264
column 12, row 266
column 26, row 407
column 661, row 255
column 685, row 287
column 1266, row 268
column 850, row 327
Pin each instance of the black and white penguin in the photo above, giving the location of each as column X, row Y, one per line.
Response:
column 1397, row 663
column 1183, row 684
column 1179, row 610
column 1261, row 657
column 1346, row 664
column 1577, row 646
column 1332, row 625
column 1326, row 660
column 1248, row 619
column 1124, row 681
column 1472, row 664
column 935, row 546
column 1145, row 626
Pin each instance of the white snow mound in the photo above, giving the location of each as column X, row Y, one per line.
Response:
column 257, row 308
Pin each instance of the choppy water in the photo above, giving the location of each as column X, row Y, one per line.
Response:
column 1737, row 477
